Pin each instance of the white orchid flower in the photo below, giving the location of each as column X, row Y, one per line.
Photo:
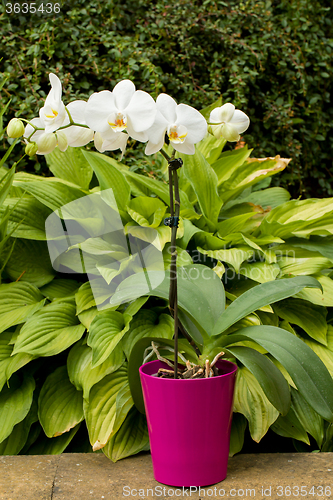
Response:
column 46, row 141
column 110, row 140
column 123, row 109
column 77, row 136
column 231, row 122
column 53, row 113
column 184, row 125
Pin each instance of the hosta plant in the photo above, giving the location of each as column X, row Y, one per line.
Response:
column 253, row 278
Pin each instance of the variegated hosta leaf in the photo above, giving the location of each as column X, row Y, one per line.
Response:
column 260, row 271
column 324, row 352
column 251, row 401
column 309, row 419
column 306, row 315
column 147, row 324
column 106, row 331
column 15, row 403
column 289, row 426
column 229, row 163
column 233, row 256
column 51, row 330
column 308, row 264
column 147, row 211
column 27, row 217
column 131, row 438
column 30, row 262
column 317, row 297
column 18, row 301
column 60, row 405
column 80, row 370
column 104, row 406
column 14, row 443
column 71, row 166
column 52, row 446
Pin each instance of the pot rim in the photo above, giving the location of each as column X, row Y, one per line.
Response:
column 232, row 365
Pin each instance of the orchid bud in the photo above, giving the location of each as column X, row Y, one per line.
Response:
column 46, row 143
column 31, row 149
column 62, row 141
column 15, row 128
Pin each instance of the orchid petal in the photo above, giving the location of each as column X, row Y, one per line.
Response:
column 167, row 106
column 193, row 120
column 78, row 136
column 110, row 141
column 138, row 136
column 99, row 106
column 186, row 147
column 77, row 110
column 240, row 121
column 157, row 131
column 29, row 129
column 141, row 111
column 230, row 133
column 152, row 148
column 123, row 93
column 222, row 114
column 56, row 89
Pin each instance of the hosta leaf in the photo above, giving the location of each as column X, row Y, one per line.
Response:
column 250, row 400
column 51, row 330
column 51, row 192
column 23, row 263
column 319, row 244
column 324, row 352
column 105, row 332
column 27, row 217
column 110, row 177
column 100, row 411
column 309, row 419
column 8, row 363
column 183, row 257
column 307, row 265
column 86, row 317
column 266, row 198
column 229, row 163
column 80, row 370
column 259, row 296
column 269, row 377
column 238, row 427
column 52, row 446
column 70, row 166
column 147, row 211
column 306, row 315
column 15, row 403
column 289, row 426
column 18, row 301
column 260, row 271
column 203, row 180
column 305, row 368
column 131, row 438
column 233, row 256
column 147, row 324
column 14, row 443
column 6, row 180
column 60, row 288
column 60, row 405
column 324, row 298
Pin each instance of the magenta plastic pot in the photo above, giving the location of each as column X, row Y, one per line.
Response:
column 189, row 424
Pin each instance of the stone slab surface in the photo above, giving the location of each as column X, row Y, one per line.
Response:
column 95, row 477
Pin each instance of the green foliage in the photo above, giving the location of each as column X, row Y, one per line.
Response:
column 271, row 59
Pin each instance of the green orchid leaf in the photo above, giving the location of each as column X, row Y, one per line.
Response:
column 18, row 301
column 306, row 315
column 100, row 412
column 259, row 296
column 71, row 166
column 81, row 372
column 308, row 372
column 309, row 419
column 237, row 434
column 267, row 374
column 15, row 403
column 51, row 330
column 60, row 405
column 110, row 177
column 250, row 400
column 131, row 438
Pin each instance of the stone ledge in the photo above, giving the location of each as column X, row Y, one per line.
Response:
column 93, row 476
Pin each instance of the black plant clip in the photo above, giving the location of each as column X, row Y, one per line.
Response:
column 171, row 221
column 176, row 163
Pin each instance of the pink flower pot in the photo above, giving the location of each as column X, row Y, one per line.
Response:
column 189, row 425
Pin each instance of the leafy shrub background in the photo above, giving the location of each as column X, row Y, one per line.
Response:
column 272, row 59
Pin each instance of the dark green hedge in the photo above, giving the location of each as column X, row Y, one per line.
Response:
column 272, row 59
